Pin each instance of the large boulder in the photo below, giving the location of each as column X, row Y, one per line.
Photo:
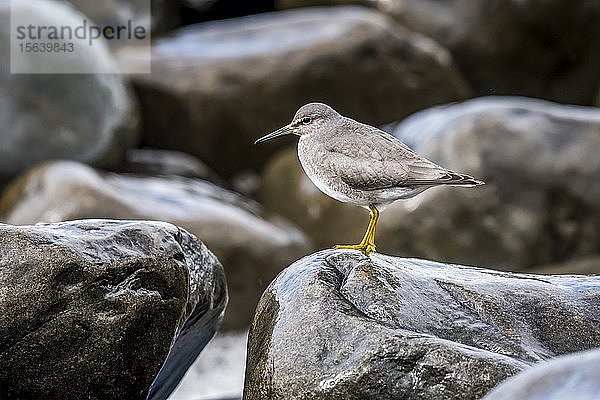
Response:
column 575, row 376
column 514, row 47
column 341, row 325
column 251, row 246
column 507, row 46
column 539, row 205
column 91, row 118
column 216, row 87
column 90, row 309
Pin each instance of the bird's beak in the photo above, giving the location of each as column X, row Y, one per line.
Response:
column 286, row 130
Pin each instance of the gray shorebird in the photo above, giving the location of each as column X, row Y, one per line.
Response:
column 360, row 164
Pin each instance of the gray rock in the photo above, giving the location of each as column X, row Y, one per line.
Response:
column 251, row 246
column 574, row 377
column 514, row 47
column 506, row 46
column 216, row 87
column 86, row 117
column 90, row 309
column 340, row 325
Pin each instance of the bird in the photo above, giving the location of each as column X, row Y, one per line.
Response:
column 360, row 164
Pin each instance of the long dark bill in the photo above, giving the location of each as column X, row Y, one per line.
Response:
column 285, row 130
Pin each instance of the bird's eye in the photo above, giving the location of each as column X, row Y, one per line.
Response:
column 306, row 120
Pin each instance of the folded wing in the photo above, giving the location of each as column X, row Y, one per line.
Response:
column 380, row 161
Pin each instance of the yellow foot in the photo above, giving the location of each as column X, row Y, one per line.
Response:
column 365, row 248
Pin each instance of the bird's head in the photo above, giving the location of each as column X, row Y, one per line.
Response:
column 309, row 118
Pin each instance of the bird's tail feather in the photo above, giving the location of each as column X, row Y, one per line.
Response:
column 448, row 178
column 463, row 180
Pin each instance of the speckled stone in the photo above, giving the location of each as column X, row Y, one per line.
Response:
column 90, row 309
column 340, row 325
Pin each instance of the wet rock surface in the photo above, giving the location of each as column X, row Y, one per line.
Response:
column 90, row 309
column 575, row 376
column 39, row 125
column 216, row 87
column 339, row 325
column 252, row 247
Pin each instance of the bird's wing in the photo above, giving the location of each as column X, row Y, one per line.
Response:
column 373, row 159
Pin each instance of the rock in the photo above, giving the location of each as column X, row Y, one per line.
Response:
column 38, row 125
column 340, row 325
column 251, row 247
column 214, row 86
column 514, row 47
column 161, row 15
column 539, row 205
column 91, row 308
column 575, row 376
column 505, row 46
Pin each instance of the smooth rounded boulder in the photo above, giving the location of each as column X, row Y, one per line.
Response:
column 95, row 308
column 340, row 325
column 92, row 118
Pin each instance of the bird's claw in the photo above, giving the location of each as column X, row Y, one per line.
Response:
column 365, row 248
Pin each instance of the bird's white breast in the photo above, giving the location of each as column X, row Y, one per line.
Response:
column 315, row 163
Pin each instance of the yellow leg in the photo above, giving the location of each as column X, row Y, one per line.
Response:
column 367, row 245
